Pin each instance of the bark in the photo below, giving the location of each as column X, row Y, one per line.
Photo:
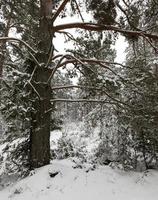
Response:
column 2, row 58
column 41, row 115
column 3, row 44
column 3, row 49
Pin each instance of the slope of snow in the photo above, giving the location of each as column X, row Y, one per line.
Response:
column 83, row 183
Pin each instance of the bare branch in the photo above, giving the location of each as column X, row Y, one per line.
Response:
column 57, row 56
column 34, row 90
column 90, row 61
column 101, row 27
column 79, row 10
column 74, row 86
column 69, row 35
column 82, row 100
column 33, row 73
column 61, row 7
column 36, row 61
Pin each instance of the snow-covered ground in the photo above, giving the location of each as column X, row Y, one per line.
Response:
column 83, row 183
column 71, row 179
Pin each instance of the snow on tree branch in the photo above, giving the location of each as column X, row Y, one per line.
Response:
column 101, row 27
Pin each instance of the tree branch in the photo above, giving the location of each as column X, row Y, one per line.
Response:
column 25, row 44
column 88, row 87
column 82, row 100
column 74, row 86
column 18, row 40
column 59, row 64
column 128, row 18
column 77, row 6
column 61, row 7
column 102, row 64
column 101, row 27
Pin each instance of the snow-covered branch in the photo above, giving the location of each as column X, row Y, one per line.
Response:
column 82, row 100
column 89, row 87
column 101, row 27
column 18, row 40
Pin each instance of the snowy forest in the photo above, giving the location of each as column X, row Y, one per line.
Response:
column 78, row 99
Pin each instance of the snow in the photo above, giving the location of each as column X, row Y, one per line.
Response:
column 77, row 132
column 54, row 137
column 75, row 184
column 75, row 180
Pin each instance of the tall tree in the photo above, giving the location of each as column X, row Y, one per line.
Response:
column 41, row 67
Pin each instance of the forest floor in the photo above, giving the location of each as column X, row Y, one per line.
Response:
column 71, row 179
column 65, row 180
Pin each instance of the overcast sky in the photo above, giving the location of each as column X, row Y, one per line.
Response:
column 59, row 39
column 60, row 45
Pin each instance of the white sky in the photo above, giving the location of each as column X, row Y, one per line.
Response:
column 59, row 39
column 120, row 46
column 60, row 45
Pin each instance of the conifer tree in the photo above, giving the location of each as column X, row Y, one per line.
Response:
column 36, row 23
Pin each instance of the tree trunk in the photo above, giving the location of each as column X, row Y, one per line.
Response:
column 41, row 114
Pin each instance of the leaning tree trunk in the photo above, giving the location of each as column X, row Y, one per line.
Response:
column 41, row 114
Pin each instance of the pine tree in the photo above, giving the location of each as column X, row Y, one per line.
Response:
column 35, row 21
column 138, row 123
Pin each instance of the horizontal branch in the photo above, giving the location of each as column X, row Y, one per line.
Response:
column 100, row 27
column 93, row 88
column 74, row 86
column 82, row 101
column 102, row 64
column 88, row 60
